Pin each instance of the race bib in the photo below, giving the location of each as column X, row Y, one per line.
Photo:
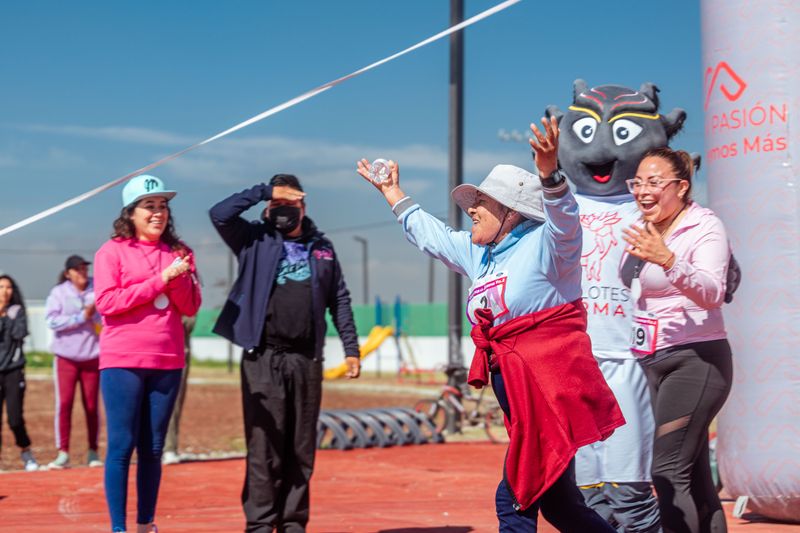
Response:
column 644, row 334
column 489, row 294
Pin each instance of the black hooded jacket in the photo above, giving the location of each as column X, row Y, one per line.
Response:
column 258, row 247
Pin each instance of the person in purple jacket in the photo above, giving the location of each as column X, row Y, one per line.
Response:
column 72, row 316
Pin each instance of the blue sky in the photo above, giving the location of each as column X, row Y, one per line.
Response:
column 93, row 90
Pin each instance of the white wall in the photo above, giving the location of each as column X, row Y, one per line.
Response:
column 430, row 353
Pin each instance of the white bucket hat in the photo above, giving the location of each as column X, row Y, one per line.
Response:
column 514, row 187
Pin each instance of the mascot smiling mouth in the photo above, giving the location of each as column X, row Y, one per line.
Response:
column 602, row 172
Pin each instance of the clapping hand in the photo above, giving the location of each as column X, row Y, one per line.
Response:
column 648, row 245
column 178, row 267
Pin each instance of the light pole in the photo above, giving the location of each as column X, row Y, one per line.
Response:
column 456, row 373
column 365, row 272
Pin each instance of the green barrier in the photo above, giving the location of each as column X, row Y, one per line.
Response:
column 418, row 320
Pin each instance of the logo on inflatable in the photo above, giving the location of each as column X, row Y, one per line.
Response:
column 723, row 67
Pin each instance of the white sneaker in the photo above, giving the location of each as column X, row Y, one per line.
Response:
column 93, row 459
column 29, row 462
column 170, row 458
column 62, row 461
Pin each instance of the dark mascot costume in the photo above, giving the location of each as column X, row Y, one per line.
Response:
column 604, row 135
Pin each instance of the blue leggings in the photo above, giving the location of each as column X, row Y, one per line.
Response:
column 138, row 403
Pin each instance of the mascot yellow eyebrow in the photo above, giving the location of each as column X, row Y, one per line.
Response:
column 605, row 132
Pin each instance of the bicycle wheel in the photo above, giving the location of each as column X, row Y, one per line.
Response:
column 495, row 425
column 435, row 411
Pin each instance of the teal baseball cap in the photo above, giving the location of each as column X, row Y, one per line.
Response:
column 144, row 186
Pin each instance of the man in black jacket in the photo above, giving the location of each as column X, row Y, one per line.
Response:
column 288, row 276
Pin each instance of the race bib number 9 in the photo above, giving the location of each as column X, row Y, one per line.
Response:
column 643, row 334
column 489, row 294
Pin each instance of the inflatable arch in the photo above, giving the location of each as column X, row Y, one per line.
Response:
column 751, row 57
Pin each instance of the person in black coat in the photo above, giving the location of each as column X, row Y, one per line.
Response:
column 288, row 276
column 13, row 330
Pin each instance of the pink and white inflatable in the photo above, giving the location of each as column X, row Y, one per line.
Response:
column 751, row 57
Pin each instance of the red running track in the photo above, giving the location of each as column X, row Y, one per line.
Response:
column 415, row 489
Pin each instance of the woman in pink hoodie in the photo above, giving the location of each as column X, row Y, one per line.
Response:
column 145, row 281
column 676, row 266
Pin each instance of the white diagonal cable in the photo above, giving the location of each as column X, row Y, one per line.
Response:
column 269, row 112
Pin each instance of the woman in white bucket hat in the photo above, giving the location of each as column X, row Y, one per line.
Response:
column 529, row 327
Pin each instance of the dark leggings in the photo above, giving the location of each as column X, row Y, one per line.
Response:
column 562, row 503
column 12, row 391
column 138, row 402
column 688, row 385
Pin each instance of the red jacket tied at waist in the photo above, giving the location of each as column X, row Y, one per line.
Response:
column 558, row 398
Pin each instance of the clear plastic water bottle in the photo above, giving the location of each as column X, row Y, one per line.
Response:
column 379, row 171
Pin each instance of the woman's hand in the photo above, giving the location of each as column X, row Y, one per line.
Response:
column 178, row 267
column 390, row 187
column 10, row 311
column 545, row 146
column 647, row 244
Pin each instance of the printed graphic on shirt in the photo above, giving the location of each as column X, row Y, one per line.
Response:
column 602, row 226
column 323, row 254
column 294, row 263
column 603, row 293
column 490, row 293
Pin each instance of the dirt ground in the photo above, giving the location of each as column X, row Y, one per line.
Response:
column 212, row 418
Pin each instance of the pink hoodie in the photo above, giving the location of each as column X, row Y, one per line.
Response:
column 687, row 299
column 140, row 328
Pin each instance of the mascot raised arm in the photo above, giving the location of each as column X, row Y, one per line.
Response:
column 604, row 134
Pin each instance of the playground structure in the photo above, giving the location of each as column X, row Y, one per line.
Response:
column 408, row 367
column 373, row 342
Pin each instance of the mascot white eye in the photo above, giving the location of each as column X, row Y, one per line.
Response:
column 625, row 131
column 585, row 129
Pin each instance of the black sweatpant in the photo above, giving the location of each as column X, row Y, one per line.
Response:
column 12, row 392
column 281, row 396
column 562, row 503
column 687, row 388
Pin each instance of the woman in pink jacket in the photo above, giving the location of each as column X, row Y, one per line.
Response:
column 144, row 282
column 676, row 268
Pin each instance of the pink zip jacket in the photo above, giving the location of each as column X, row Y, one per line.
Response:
column 687, row 299
column 141, row 314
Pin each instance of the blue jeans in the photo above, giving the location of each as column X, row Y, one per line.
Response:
column 562, row 503
column 138, row 404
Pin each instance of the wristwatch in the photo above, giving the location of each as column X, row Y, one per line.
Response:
column 552, row 181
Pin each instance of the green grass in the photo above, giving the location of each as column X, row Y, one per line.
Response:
column 39, row 360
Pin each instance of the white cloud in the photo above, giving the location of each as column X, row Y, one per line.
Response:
column 323, row 163
column 114, row 133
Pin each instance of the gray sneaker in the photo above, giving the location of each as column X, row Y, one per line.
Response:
column 29, row 462
column 170, row 458
column 61, row 461
column 93, row 459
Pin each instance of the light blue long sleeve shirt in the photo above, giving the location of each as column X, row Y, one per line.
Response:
column 535, row 267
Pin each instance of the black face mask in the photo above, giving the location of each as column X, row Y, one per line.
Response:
column 285, row 217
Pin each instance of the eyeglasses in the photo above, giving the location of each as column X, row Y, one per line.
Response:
column 636, row 184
